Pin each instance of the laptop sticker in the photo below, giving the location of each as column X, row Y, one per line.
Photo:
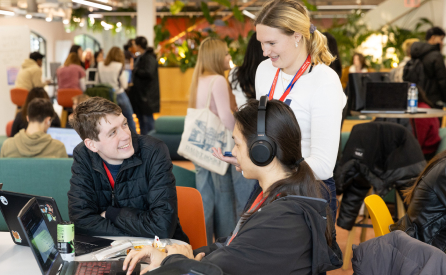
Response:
column 4, row 200
column 48, row 212
column 16, row 236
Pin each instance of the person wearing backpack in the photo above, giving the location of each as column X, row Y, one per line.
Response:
column 427, row 68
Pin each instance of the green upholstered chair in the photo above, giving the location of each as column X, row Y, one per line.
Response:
column 37, row 176
column 442, row 145
column 184, row 177
column 169, row 129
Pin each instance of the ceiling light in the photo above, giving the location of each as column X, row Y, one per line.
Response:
column 28, row 16
column 66, row 21
column 119, row 24
column 49, row 19
column 92, row 4
column 346, row 7
column 250, row 15
column 95, row 15
column 11, row 13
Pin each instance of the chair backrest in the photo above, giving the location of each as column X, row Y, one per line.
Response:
column 191, row 215
column 380, row 214
column 184, row 177
column 18, row 96
column 9, row 128
column 64, row 97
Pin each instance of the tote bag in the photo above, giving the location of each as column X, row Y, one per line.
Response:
column 202, row 131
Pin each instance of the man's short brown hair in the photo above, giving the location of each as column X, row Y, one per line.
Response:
column 39, row 109
column 88, row 114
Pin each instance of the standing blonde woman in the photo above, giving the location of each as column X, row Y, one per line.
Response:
column 111, row 72
column 298, row 74
column 217, row 191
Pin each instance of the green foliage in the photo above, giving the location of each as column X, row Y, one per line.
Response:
column 176, row 7
column 206, row 13
column 225, row 3
column 161, row 34
column 238, row 14
column 309, row 6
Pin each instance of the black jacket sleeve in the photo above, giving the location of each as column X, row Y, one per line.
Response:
column 145, row 68
column 440, row 75
column 161, row 216
column 82, row 201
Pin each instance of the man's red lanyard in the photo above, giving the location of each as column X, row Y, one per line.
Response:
column 293, row 81
column 109, row 175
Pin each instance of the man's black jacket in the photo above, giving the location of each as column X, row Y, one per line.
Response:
column 434, row 69
column 143, row 202
column 382, row 155
column 145, row 92
column 425, row 219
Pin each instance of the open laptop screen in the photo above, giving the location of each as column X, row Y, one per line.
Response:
column 68, row 137
column 39, row 236
column 382, row 96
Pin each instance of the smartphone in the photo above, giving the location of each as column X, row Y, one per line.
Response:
column 228, row 154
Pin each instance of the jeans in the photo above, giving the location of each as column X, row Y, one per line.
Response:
column 127, row 110
column 146, row 123
column 242, row 189
column 331, row 198
column 218, row 197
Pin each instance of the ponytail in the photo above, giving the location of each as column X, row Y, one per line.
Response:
column 318, row 49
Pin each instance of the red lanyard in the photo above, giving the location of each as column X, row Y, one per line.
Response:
column 109, row 175
column 291, row 85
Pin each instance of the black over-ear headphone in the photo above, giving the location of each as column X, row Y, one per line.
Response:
column 262, row 149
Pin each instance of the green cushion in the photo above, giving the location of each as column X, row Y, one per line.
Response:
column 37, row 176
column 184, row 177
column 442, row 146
column 170, row 125
column 344, row 138
column 172, row 142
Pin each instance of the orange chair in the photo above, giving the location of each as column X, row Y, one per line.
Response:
column 64, row 98
column 9, row 128
column 191, row 215
column 18, row 96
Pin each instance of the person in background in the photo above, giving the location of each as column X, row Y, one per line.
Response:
column 98, row 57
column 358, row 66
column 111, row 72
column 122, row 183
column 20, row 121
column 30, row 75
column 129, row 50
column 76, row 101
column 287, row 230
column 434, row 68
column 77, row 49
column 217, row 191
column 333, row 48
column 427, row 128
column 396, row 75
column 71, row 75
column 34, row 142
column 88, row 59
column 242, row 80
column 425, row 218
column 145, row 92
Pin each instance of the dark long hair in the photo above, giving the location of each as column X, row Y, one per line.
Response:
column 408, row 193
column 34, row 93
column 245, row 75
column 336, row 65
column 283, row 129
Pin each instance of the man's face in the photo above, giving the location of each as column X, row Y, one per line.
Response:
column 115, row 140
column 39, row 62
column 437, row 39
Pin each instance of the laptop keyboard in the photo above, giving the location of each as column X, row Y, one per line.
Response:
column 90, row 268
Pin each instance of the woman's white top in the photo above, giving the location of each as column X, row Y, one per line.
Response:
column 240, row 97
column 317, row 100
column 109, row 75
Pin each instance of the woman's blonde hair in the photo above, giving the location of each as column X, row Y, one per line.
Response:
column 290, row 16
column 211, row 56
column 73, row 58
column 115, row 54
column 407, row 44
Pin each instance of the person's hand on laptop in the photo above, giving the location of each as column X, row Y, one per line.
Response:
column 103, row 214
column 148, row 254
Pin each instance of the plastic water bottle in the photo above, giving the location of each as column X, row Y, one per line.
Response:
column 412, row 99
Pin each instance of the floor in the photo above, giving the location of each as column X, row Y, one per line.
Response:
column 342, row 234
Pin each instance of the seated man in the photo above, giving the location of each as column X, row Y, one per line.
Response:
column 34, row 142
column 122, row 183
column 30, row 75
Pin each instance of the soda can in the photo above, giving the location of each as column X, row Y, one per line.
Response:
column 65, row 240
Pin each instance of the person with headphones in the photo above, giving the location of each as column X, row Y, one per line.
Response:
column 288, row 227
column 298, row 74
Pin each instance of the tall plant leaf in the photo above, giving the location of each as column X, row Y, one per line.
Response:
column 176, row 7
column 206, row 12
column 225, row 3
column 238, row 14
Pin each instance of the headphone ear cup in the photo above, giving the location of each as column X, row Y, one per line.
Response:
column 262, row 152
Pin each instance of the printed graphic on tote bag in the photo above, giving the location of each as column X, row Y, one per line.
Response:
column 206, row 140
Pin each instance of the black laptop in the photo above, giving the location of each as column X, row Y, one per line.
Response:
column 10, row 205
column 386, row 97
column 45, row 251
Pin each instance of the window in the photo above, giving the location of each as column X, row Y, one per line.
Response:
column 38, row 44
column 87, row 42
